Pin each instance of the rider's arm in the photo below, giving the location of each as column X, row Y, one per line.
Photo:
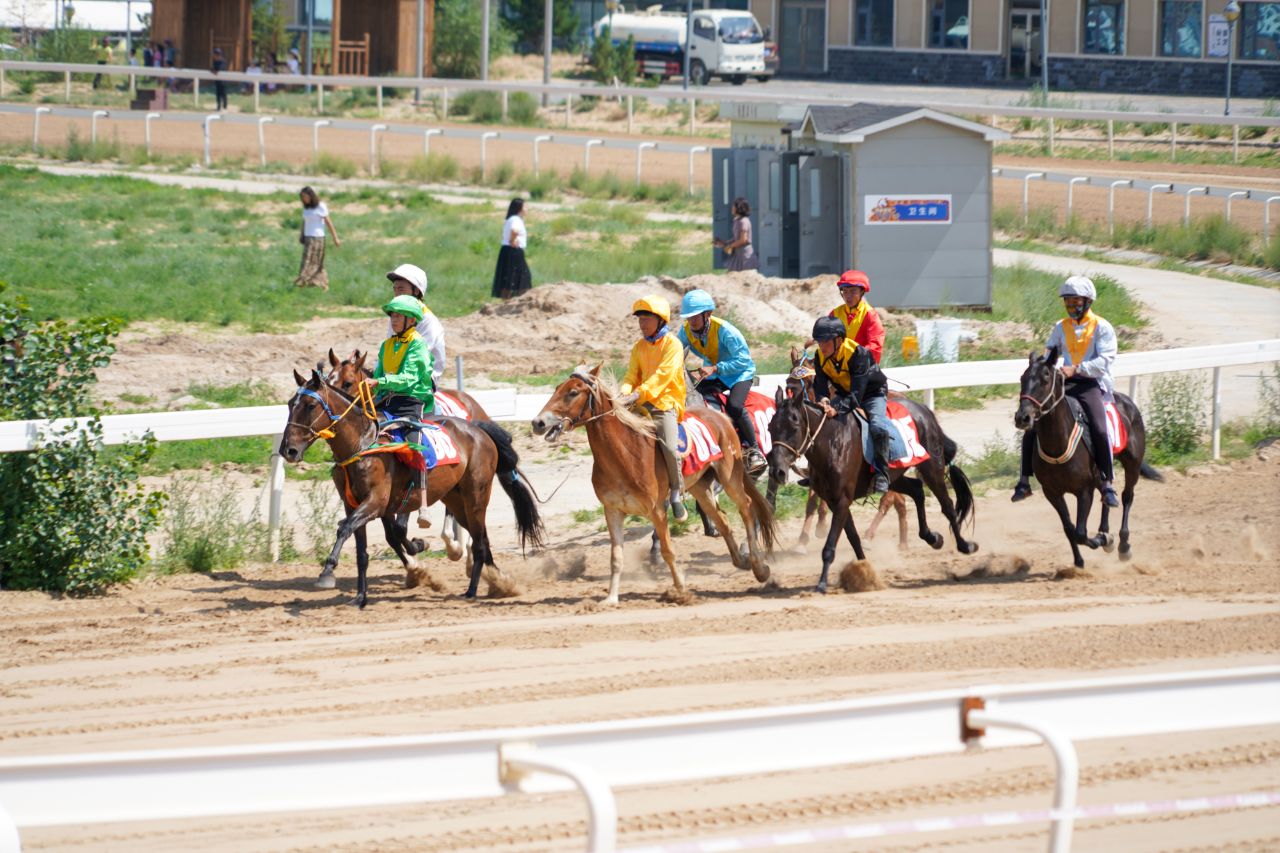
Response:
column 670, row 367
column 632, row 377
column 414, row 377
column 1104, row 344
column 873, row 330
column 735, row 363
column 860, row 365
column 821, row 385
column 433, row 333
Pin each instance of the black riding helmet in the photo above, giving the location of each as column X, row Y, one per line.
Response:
column 827, row 329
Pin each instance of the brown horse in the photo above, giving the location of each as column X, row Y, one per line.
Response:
column 377, row 485
column 346, row 374
column 630, row 478
column 1064, row 466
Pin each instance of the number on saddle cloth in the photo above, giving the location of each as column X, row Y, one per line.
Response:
column 905, row 449
column 1117, row 433
column 696, row 445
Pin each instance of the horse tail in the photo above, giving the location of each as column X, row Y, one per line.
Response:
column 1150, row 472
column 965, row 507
column 528, row 521
column 762, row 511
column 949, row 449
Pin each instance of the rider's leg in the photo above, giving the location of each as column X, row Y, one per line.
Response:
column 1089, row 394
column 668, row 441
column 741, row 418
column 1023, row 489
column 403, row 406
column 881, row 438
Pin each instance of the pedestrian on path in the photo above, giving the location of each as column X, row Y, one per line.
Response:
column 741, row 254
column 219, row 87
column 511, row 277
column 315, row 217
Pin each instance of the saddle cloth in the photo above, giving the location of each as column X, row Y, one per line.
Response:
column 905, row 449
column 760, row 409
column 1117, row 432
column 449, row 407
column 697, row 445
column 437, row 446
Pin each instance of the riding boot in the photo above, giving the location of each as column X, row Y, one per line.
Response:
column 1022, row 491
column 754, row 460
column 881, row 483
column 1109, row 495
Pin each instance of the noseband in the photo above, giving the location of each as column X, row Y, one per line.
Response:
column 1043, row 407
column 809, row 436
column 363, row 397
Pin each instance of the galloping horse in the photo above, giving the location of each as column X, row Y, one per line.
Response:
column 630, row 478
column 1063, row 465
column 833, row 448
column 347, row 374
column 377, row 485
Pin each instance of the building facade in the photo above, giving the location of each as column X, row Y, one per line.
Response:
column 1141, row 46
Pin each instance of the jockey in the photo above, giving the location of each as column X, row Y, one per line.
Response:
column 403, row 375
column 861, row 322
column 729, row 368
column 411, row 280
column 656, row 373
column 1088, row 346
column 847, row 371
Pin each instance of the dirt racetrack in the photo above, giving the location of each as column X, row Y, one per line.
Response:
column 258, row 655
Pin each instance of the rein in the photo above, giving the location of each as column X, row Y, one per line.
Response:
column 809, row 437
column 363, row 398
column 1043, row 408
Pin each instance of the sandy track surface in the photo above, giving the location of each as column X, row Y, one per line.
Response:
column 257, row 655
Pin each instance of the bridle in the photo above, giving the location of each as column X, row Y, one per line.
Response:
column 1043, row 407
column 810, row 434
column 363, row 397
column 593, row 386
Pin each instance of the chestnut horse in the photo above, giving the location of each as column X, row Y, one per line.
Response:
column 377, row 485
column 630, row 478
column 1064, row 466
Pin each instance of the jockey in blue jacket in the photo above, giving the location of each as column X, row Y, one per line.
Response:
column 727, row 367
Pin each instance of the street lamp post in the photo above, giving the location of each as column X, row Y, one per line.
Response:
column 1232, row 13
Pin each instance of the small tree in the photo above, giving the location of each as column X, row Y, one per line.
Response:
column 611, row 62
column 524, row 17
column 268, row 27
column 457, row 39
column 73, row 517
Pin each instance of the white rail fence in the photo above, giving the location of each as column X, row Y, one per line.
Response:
column 595, row 758
column 507, row 405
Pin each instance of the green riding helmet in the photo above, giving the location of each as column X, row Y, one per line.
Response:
column 407, row 305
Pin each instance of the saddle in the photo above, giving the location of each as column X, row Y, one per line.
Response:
column 1117, row 432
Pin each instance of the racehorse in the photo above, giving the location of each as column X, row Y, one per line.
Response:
column 347, row 373
column 838, row 475
column 1064, row 465
column 630, row 478
column 375, row 484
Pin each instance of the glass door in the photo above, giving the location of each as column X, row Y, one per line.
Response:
column 1024, row 44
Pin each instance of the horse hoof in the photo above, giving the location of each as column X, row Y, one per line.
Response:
column 359, row 602
column 326, row 581
column 936, row 542
column 1108, row 542
column 1125, row 554
column 822, row 589
column 969, row 548
column 417, row 546
column 804, row 538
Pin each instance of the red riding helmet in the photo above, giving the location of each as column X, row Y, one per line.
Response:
column 855, row 278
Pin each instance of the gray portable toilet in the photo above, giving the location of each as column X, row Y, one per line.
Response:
column 901, row 192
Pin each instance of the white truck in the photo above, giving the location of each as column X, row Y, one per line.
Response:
column 724, row 43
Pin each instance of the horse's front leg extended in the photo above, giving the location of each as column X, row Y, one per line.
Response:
column 362, row 567
column 614, row 518
column 814, row 509
column 839, row 513
column 851, row 533
column 1059, row 503
column 1084, row 504
column 356, row 519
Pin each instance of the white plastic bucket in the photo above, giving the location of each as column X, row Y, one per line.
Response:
column 939, row 339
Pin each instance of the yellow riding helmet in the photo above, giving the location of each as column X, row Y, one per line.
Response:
column 653, row 305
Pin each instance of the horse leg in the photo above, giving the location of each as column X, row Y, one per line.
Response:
column 664, row 537
column 356, row 518
column 1131, row 474
column 932, row 474
column 881, row 511
column 851, row 533
column 398, row 538
column 813, row 508
column 900, row 504
column 1069, row 528
column 1084, row 504
column 707, row 505
column 839, row 513
column 771, row 493
column 451, row 534
column 362, row 568
column 914, row 489
column 655, row 548
column 614, row 518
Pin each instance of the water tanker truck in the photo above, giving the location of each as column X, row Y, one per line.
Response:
column 723, row 43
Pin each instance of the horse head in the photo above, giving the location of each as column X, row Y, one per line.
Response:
column 1041, row 388
column 310, row 415
column 574, row 402
column 347, row 373
column 790, row 431
column 800, row 379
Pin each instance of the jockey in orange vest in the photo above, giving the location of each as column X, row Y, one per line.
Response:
column 861, row 322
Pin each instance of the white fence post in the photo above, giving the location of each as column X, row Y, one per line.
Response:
column 276, row 500
column 694, row 150
column 444, row 104
column 1071, row 185
column 1173, row 142
column 35, row 131
column 1217, row 412
column 426, row 140
column 693, row 114
column 1231, row 197
column 1235, row 143
column 505, row 103
column 1111, row 204
column 1050, row 136
column 1151, row 191
column 639, row 151
column 1186, row 209
column 568, row 107
column 373, row 147
column 93, row 125
column 379, row 89
column 320, row 98
column 536, row 140
column 315, row 137
column 1111, row 139
column 262, row 139
column 207, row 119
column 66, row 79
column 257, row 96
column 10, row 840
column 484, row 141
column 1026, row 181
column 518, row 760
column 195, row 92
column 1266, row 219
column 630, row 114
column 586, row 154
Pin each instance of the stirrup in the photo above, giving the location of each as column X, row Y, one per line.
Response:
column 1021, row 492
column 880, row 484
column 678, row 510
column 1109, row 496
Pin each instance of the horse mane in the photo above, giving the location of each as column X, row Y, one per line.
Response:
column 607, row 384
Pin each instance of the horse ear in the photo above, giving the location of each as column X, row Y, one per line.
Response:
column 1052, row 356
column 595, row 371
column 778, row 397
column 797, row 355
column 359, row 357
column 316, row 378
column 1031, row 357
column 333, row 359
column 297, row 377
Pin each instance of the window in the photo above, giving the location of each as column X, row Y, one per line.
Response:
column 793, row 183
column 775, row 184
column 949, row 24
column 724, row 178
column 1104, row 27
column 1181, row 28
column 740, row 31
column 815, row 192
column 703, row 28
column 1259, row 31
column 873, row 23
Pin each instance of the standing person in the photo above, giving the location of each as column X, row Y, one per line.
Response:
column 728, row 367
column 295, row 66
column 847, row 377
column 147, row 57
column 655, row 380
column 402, row 377
column 219, row 87
column 861, row 322
column 742, row 254
column 411, row 280
column 511, row 276
column 102, row 56
column 315, row 217
column 1088, row 346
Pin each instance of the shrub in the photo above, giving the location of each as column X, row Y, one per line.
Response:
column 203, row 535
column 522, row 108
column 610, row 62
column 72, row 518
column 457, row 40
column 435, row 167
column 483, row 106
column 332, row 164
column 1174, row 414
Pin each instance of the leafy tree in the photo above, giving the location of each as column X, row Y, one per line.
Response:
column 610, row 61
column 73, row 518
column 268, row 27
column 525, row 20
column 457, row 39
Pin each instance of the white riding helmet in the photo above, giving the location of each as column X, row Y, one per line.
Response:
column 414, row 275
column 1078, row 285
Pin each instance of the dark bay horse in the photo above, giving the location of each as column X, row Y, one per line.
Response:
column 838, row 475
column 630, row 479
column 1064, row 466
column 377, row 485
